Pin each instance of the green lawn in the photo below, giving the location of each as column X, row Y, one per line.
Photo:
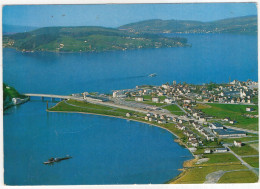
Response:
column 244, row 139
column 234, row 111
column 239, row 177
column 244, row 150
column 220, row 158
column 253, row 161
column 174, row 109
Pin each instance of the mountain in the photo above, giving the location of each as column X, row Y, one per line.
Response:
column 11, row 29
column 85, row 39
column 238, row 25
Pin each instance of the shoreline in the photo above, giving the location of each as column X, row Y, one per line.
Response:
column 79, row 52
column 183, row 169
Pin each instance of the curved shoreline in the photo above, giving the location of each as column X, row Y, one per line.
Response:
column 118, row 117
column 115, row 117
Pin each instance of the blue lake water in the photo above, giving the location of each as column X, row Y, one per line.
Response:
column 107, row 150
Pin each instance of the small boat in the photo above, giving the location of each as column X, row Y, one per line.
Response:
column 152, row 75
column 53, row 160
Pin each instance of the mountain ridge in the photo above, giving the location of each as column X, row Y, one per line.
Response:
column 239, row 25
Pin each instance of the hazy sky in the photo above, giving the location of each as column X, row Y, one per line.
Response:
column 116, row 15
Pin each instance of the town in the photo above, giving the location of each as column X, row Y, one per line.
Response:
column 216, row 122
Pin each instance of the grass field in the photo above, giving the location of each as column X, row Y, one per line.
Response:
column 220, row 158
column 253, row 161
column 244, row 139
column 238, row 177
column 174, row 109
column 91, row 108
column 234, row 111
column 198, row 174
column 245, row 150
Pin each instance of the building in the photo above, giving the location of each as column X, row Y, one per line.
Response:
column 229, row 133
column 128, row 114
column 168, row 101
column 220, row 150
column 249, row 109
column 207, row 151
column 216, row 126
column 139, row 99
column 237, row 144
column 155, row 99
column 16, row 101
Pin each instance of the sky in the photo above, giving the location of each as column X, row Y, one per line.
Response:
column 114, row 15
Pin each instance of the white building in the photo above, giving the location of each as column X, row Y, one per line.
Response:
column 139, row 99
column 16, row 101
column 155, row 99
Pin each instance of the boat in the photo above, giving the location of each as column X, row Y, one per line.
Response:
column 152, row 75
column 53, row 160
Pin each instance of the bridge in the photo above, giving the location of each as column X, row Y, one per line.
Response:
column 52, row 96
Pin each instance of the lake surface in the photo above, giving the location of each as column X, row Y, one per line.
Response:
column 107, row 150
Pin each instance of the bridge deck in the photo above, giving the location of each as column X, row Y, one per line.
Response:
column 51, row 96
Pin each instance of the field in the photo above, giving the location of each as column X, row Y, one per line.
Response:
column 174, row 109
column 197, row 174
column 239, row 177
column 77, row 106
column 244, row 139
column 220, row 158
column 244, row 150
column 234, row 112
column 253, row 161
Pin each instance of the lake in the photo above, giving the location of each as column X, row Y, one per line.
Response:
column 108, row 150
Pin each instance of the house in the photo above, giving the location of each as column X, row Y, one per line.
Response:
column 249, row 109
column 161, row 121
column 186, row 101
column 168, row 101
column 146, row 118
column 139, row 99
column 226, row 119
column 156, row 115
column 207, row 151
column 181, row 127
column 149, row 114
column 151, row 119
column 194, row 143
column 237, row 144
column 155, row 99
column 128, row 114
column 220, row 150
column 188, row 133
column 232, row 121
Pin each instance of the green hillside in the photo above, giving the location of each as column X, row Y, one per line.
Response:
column 239, row 25
column 86, row 39
column 9, row 93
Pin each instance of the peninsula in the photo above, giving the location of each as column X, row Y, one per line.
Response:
column 87, row 39
column 12, row 97
column 218, row 123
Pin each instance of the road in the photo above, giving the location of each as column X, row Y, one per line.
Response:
column 255, row 170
